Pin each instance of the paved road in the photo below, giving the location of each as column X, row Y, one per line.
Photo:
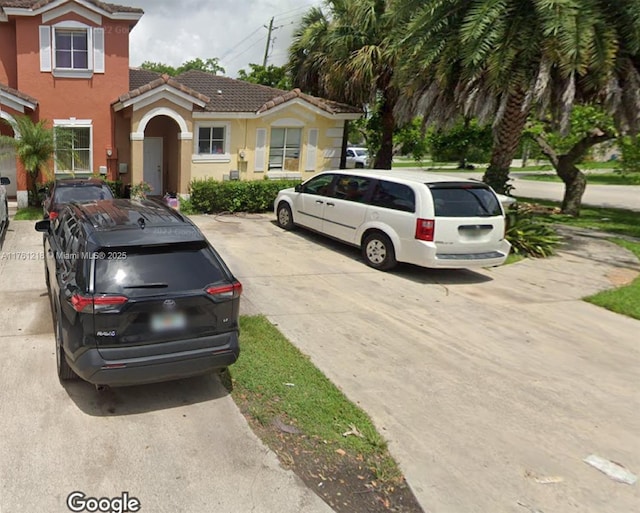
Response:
column 617, row 196
column 481, row 381
column 181, row 447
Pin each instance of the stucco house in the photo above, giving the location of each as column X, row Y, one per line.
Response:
column 67, row 61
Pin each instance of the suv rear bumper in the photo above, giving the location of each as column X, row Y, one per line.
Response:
column 221, row 351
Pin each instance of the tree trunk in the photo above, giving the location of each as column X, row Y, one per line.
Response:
column 575, row 183
column 505, row 142
column 384, row 157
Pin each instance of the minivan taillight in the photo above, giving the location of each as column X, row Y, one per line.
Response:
column 225, row 292
column 425, row 229
column 90, row 304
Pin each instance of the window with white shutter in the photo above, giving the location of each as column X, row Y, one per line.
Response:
column 261, row 146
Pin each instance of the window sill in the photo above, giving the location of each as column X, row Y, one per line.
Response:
column 73, row 73
column 224, row 158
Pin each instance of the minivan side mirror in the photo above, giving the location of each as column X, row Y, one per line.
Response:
column 298, row 188
column 43, row 226
column 4, row 180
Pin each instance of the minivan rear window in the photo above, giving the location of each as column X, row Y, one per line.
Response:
column 169, row 268
column 393, row 195
column 465, row 201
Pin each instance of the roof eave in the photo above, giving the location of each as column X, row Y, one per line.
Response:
column 16, row 102
column 25, row 11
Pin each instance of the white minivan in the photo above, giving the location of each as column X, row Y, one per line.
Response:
column 415, row 217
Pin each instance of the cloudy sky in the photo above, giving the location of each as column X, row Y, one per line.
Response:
column 232, row 30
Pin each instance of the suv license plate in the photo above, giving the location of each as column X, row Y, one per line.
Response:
column 168, row 321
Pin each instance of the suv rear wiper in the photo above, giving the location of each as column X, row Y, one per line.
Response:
column 147, row 286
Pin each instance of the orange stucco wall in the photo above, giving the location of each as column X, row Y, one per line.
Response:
column 8, row 71
column 80, row 98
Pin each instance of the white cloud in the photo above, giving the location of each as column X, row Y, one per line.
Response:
column 231, row 30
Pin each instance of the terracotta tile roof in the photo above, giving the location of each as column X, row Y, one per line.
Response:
column 231, row 95
column 157, row 82
column 224, row 94
column 139, row 77
column 36, row 4
column 18, row 94
column 326, row 105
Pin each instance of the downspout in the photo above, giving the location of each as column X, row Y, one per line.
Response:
column 345, row 141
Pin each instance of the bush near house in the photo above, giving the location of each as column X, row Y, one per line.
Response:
column 210, row 195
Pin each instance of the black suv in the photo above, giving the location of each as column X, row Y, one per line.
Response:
column 138, row 295
column 67, row 190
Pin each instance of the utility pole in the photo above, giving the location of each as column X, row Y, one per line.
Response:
column 266, row 48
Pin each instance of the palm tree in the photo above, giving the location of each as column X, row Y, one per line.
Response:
column 344, row 56
column 501, row 59
column 36, row 147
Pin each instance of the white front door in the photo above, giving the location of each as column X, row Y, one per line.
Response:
column 8, row 168
column 153, row 164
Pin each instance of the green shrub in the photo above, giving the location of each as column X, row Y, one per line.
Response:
column 209, row 195
column 530, row 237
column 116, row 187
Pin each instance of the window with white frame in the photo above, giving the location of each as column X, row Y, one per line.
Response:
column 212, row 141
column 71, row 49
column 284, row 149
column 73, row 148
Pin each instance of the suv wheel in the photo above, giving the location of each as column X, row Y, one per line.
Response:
column 65, row 372
column 285, row 217
column 359, row 165
column 378, row 252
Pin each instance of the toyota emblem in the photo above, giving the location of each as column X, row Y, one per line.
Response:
column 169, row 304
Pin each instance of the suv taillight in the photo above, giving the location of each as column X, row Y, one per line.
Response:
column 425, row 229
column 225, row 292
column 90, row 304
column 53, row 215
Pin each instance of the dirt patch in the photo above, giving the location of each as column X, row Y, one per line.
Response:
column 349, row 483
column 621, row 277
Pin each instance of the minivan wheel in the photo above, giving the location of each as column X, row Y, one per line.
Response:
column 285, row 217
column 378, row 252
column 65, row 372
column 359, row 165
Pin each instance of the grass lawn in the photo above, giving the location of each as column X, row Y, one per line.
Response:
column 602, row 179
column 624, row 300
column 28, row 214
column 610, row 220
column 310, row 424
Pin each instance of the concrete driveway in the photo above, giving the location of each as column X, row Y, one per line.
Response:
column 487, row 384
column 179, row 447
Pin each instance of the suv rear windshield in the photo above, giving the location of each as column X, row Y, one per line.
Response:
column 82, row 193
column 169, row 268
column 464, row 201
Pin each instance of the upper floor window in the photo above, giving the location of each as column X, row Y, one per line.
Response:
column 72, row 49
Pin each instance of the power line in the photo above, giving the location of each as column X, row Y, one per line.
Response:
column 238, row 44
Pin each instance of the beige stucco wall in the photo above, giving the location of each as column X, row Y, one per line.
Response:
column 241, row 134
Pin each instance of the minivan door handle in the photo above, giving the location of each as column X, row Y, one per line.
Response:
column 331, row 204
column 319, row 201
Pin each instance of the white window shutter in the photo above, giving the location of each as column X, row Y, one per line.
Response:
column 261, row 149
column 98, row 50
column 312, row 149
column 45, row 48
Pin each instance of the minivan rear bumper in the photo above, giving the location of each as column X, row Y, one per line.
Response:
column 425, row 254
column 95, row 367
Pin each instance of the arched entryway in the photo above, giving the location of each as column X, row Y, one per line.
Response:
column 8, row 166
column 161, row 161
